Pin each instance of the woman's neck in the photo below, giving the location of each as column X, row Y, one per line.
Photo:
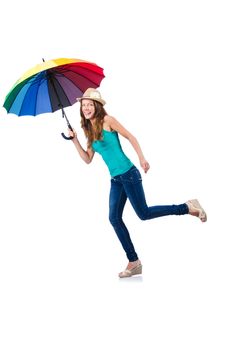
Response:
column 93, row 121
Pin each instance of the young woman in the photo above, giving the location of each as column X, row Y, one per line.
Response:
column 101, row 131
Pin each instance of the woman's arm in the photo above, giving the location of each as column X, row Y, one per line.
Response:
column 87, row 155
column 115, row 125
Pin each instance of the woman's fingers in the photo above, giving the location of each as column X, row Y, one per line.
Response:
column 72, row 133
column 145, row 166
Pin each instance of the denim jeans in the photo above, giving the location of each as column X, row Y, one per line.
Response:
column 129, row 185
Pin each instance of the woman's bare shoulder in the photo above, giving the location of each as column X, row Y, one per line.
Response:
column 108, row 118
column 112, row 123
column 108, row 122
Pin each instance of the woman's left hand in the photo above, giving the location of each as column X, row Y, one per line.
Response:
column 145, row 165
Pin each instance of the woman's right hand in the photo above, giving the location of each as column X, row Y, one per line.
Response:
column 72, row 133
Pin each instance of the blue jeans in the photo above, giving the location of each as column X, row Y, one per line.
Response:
column 129, row 185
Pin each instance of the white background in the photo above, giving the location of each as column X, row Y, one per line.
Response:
column 168, row 80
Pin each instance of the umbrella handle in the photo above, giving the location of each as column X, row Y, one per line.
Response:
column 68, row 137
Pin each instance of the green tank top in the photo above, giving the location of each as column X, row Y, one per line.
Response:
column 111, row 151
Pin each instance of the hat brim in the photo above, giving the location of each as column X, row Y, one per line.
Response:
column 100, row 100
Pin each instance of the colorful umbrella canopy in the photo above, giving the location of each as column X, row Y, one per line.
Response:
column 52, row 85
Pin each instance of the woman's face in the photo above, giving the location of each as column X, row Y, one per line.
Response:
column 88, row 109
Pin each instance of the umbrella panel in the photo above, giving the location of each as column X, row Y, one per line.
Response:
column 52, row 89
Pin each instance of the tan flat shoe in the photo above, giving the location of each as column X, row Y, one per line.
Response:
column 137, row 270
column 195, row 207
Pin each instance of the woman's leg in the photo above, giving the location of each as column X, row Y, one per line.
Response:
column 132, row 182
column 117, row 202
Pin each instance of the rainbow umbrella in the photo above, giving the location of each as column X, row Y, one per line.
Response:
column 52, row 85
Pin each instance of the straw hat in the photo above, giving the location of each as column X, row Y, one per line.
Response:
column 92, row 94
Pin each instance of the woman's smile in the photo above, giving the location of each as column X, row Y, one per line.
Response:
column 88, row 108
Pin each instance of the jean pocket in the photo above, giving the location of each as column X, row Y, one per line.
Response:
column 132, row 176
